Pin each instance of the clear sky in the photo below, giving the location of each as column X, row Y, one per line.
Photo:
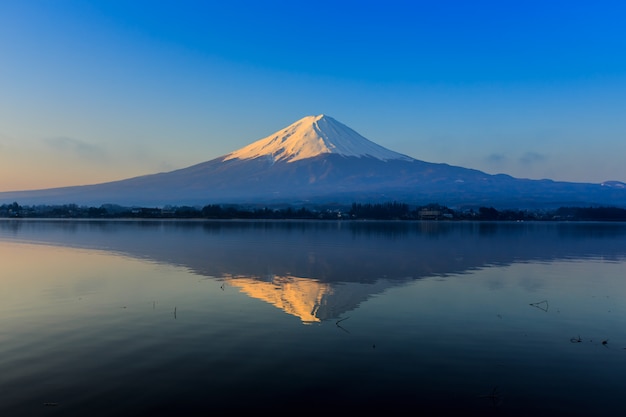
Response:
column 94, row 91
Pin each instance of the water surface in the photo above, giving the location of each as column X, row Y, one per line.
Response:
column 193, row 317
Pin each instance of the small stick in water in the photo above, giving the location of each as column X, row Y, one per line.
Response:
column 541, row 305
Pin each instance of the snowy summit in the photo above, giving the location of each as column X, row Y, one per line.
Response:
column 312, row 136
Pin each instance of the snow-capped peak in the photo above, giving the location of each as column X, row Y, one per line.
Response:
column 312, row 136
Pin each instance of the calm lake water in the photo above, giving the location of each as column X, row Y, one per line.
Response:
column 130, row 318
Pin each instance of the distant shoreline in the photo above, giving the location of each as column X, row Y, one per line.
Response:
column 357, row 211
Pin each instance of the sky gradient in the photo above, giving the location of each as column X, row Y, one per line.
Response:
column 104, row 90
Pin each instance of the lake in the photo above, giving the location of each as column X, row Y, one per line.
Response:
column 130, row 318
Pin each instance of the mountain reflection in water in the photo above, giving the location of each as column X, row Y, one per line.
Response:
column 163, row 318
column 320, row 270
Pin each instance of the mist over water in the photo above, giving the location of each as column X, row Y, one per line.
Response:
column 194, row 317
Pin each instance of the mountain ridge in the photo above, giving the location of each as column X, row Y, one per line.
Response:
column 319, row 160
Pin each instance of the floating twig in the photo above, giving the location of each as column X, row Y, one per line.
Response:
column 541, row 305
column 339, row 321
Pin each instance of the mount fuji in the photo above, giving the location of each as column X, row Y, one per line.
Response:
column 318, row 160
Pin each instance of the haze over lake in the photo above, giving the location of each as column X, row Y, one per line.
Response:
column 195, row 317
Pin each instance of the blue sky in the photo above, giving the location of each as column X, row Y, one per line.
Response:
column 104, row 90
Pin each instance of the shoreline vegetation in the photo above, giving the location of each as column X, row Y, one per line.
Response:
column 357, row 211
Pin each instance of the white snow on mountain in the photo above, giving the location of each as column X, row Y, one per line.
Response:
column 613, row 184
column 312, row 136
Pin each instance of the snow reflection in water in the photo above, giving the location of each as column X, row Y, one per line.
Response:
column 183, row 317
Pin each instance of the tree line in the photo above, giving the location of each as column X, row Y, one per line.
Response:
column 357, row 211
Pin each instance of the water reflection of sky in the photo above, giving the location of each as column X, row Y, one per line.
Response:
column 415, row 315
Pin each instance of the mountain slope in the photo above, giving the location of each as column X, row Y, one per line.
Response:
column 319, row 160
